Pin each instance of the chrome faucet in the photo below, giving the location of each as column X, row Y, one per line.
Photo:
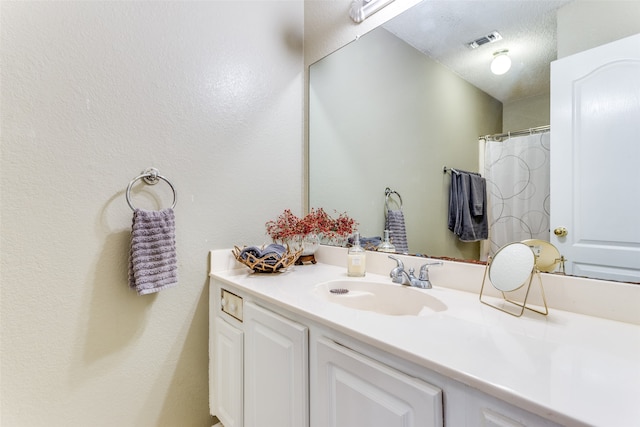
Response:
column 401, row 276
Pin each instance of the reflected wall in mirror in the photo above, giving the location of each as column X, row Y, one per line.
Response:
column 375, row 125
column 384, row 114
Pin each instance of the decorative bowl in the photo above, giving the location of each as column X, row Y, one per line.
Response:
column 266, row 263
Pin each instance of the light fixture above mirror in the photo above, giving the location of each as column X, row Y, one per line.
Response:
column 362, row 9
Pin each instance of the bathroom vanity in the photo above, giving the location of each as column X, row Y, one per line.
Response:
column 286, row 351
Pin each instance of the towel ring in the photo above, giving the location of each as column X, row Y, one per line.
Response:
column 151, row 177
column 388, row 193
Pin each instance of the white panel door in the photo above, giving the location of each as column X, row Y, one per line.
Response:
column 595, row 160
column 228, row 373
column 354, row 391
column 276, row 370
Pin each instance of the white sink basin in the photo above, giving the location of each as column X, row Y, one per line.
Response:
column 390, row 299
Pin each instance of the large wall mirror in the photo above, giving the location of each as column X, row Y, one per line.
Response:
column 396, row 105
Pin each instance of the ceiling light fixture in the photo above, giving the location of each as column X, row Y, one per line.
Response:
column 501, row 62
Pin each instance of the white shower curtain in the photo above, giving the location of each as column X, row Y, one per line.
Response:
column 517, row 174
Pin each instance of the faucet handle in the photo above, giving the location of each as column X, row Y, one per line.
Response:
column 396, row 273
column 424, row 270
column 398, row 260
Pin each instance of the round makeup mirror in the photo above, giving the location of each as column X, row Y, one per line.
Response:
column 547, row 256
column 511, row 267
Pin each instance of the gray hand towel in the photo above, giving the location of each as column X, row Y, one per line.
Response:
column 478, row 194
column 153, row 259
column 463, row 220
column 397, row 230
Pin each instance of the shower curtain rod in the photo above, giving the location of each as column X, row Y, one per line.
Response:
column 530, row 131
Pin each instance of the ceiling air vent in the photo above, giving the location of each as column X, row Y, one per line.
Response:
column 489, row 38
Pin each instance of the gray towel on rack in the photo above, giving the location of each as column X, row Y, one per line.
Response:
column 467, row 207
column 397, row 230
column 153, row 259
column 477, row 194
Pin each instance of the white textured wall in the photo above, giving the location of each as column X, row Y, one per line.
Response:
column 211, row 94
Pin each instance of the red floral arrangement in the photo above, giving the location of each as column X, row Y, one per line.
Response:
column 287, row 225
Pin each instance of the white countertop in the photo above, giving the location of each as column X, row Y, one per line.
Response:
column 570, row 368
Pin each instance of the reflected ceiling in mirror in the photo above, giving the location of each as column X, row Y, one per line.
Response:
column 443, row 30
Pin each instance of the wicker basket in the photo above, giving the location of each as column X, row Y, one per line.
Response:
column 260, row 265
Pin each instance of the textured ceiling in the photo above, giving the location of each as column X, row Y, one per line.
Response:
column 442, row 29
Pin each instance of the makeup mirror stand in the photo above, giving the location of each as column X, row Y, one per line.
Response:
column 523, row 305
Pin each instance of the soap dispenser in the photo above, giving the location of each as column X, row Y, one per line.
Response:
column 386, row 245
column 356, row 258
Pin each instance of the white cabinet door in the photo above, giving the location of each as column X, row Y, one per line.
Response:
column 276, row 370
column 228, row 374
column 353, row 391
column 595, row 150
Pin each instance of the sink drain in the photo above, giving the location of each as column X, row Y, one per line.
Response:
column 339, row 291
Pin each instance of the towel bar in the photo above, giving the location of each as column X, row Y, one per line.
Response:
column 151, row 176
column 446, row 169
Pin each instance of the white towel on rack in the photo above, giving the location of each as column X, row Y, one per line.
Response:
column 397, row 230
column 153, row 258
